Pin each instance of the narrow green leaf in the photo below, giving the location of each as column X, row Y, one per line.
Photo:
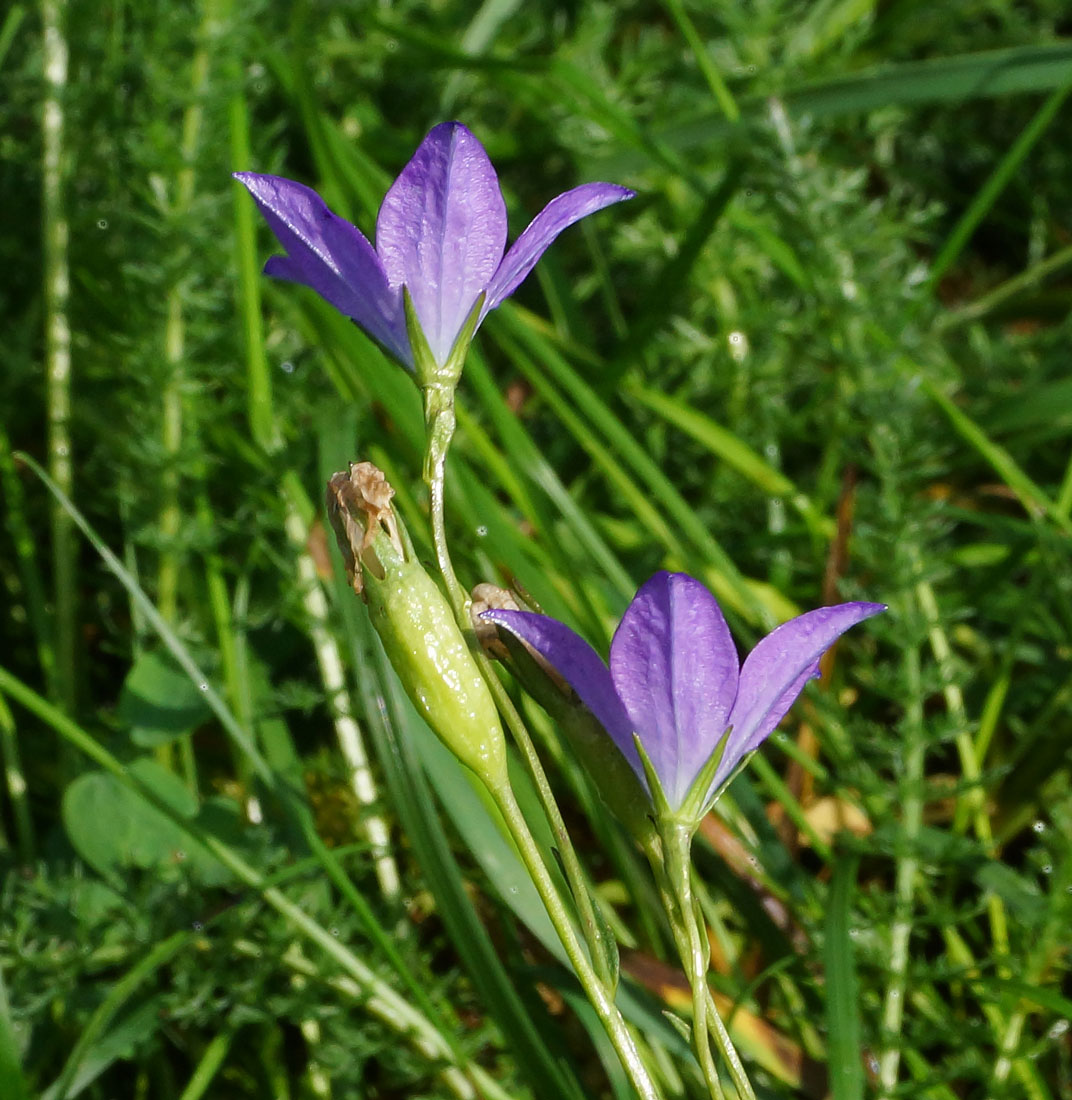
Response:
column 15, row 1086
column 997, row 181
column 734, row 452
column 1030, row 495
column 844, row 1044
column 988, row 74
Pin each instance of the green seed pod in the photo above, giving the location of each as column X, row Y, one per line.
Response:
column 415, row 622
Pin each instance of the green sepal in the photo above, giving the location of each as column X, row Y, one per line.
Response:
column 456, row 358
column 716, row 795
column 429, row 372
column 698, row 800
column 607, row 960
column 663, row 813
column 423, row 360
column 682, row 1027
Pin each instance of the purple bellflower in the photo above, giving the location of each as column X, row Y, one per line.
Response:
column 675, row 679
column 440, row 234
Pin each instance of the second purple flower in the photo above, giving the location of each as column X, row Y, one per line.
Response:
column 440, row 233
column 675, row 679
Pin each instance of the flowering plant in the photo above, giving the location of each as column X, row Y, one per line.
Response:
column 669, row 721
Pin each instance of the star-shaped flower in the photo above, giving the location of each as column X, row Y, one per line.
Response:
column 676, row 681
column 440, row 233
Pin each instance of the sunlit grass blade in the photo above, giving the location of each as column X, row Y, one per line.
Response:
column 209, row 1065
column 58, row 363
column 985, row 75
column 659, row 507
column 997, row 181
column 734, row 452
column 844, row 1043
column 10, row 1064
column 1030, row 495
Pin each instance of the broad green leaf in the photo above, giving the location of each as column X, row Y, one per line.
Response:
column 159, row 702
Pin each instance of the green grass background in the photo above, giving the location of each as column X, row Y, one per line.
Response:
column 823, row 355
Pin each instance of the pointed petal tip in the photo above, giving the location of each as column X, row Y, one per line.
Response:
column 559, row 214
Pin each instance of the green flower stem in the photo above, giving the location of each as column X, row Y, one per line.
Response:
column 694, row 958
column 596, row 991
column 440, row 423
column 673, row 876
column 907, row 874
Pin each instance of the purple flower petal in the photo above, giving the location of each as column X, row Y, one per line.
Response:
column 558, row 214
column 580, row 665
column 775, row 673
column 329, row 255
column 441, row 231
column 675, row 668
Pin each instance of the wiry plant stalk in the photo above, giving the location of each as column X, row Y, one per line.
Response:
column 172, row 412
column 58, row 344
column 907, row 871
column 15, row 782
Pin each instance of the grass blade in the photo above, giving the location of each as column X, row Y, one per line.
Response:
column 844, row 1044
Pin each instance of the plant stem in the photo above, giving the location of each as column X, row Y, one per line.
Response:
column 693, row 956
column 58, row 344
column 16, row 785
column 907, row 870
column 440, row 422
column 686, row 926
column 594, row 988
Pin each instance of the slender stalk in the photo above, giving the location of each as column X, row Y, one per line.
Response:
column 694, row 957
column 16, row 785
column 723, row 96
column 209, row 1065
column 260, row 408
column 907, row 871
column 440, row 420
column 26, row 554
column 973, row 806
column 172, row 412
column 597, row 993
column 58, row 344
column 679, row 907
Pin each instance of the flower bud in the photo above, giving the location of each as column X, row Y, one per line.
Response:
column 611, row 773
column 415, row 622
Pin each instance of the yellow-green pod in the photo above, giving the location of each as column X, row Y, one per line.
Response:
column 414, row 621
